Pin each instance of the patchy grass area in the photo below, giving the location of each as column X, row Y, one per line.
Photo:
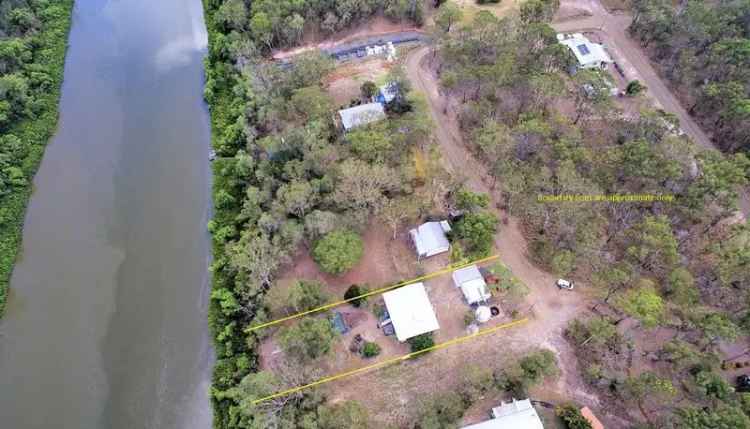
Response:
column 343, row 85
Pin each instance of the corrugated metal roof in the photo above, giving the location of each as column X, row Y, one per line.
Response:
column 586, row 52
column 429, row 238
column 513, row 415
column 361, row 115
column 411, row 311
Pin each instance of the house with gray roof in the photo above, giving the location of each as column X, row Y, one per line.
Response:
column 361, row 115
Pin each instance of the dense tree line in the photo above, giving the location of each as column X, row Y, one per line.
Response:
column 273, row 23
column 703, row 48
column 681, row 264
column 33, row 38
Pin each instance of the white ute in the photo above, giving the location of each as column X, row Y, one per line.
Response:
column 564, row 284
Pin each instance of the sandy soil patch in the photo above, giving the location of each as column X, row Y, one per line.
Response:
column 343, row 85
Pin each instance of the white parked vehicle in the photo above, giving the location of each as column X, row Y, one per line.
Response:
column 565, row 284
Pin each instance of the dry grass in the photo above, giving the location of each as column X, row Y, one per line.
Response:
column 617, row 5
column 471, row 8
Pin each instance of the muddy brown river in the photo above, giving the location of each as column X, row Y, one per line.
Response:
column 106, row 320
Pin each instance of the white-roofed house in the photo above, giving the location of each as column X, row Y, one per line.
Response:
column 589, row 54
column 410, row 311
column 513, row 415
column 429, row 238
column 361, row 115
column 472, row 284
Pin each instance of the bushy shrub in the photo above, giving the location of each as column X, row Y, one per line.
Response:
column 634, row 87
column 477, row 232
column 368, row 89
column 443, row 411
column 338, row 251
column 572, row 417
column 308, row 339
column 355, row 291
column 421, row 342
column 370, row 349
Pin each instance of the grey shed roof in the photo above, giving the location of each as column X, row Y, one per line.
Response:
column 472, row 284
column 361, row 115
column 429, row 238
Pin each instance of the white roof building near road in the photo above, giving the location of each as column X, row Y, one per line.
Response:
column 589, row 54
column 361, row 115
column 410, row 311
column 430, row 239
column 472, row 284
column 513, row 415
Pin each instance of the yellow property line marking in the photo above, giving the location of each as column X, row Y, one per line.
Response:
column 392, row 360
column 374, row 292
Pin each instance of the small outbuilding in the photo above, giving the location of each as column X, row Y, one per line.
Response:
column 410, row 311
column 387, row 93
column 361, row 115
column 513, row 415
column 472, row 284
column 588, row 54
column 429, row 238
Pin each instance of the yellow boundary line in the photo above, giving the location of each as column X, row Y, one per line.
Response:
column 392, row 360
column 374, row 292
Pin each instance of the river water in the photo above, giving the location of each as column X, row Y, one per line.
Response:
column 106, row 321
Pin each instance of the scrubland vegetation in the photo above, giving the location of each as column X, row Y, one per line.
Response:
column 704, row 50
column 681, row 267
column 287, row 181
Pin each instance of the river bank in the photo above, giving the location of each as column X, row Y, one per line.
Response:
column 106, row 322
column 33, row 133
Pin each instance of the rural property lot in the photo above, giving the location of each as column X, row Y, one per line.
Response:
column 390, row 393
column 447, row 301
column 344, row 83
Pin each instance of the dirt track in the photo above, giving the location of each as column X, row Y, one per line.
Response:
column 552, row 309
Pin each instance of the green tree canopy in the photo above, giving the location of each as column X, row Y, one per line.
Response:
column 307, row 339
column 338, row 251
column 643, row 303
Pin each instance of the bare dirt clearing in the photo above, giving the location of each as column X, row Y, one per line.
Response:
column 344, row 83
column 384, row 262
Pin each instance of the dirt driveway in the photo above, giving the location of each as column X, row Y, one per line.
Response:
column 551, row 309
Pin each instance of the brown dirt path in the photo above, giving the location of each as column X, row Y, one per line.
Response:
column 552, row 309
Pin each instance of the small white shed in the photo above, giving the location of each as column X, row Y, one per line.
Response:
column 410, row 311
column 472, row 284
column 429, row 238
